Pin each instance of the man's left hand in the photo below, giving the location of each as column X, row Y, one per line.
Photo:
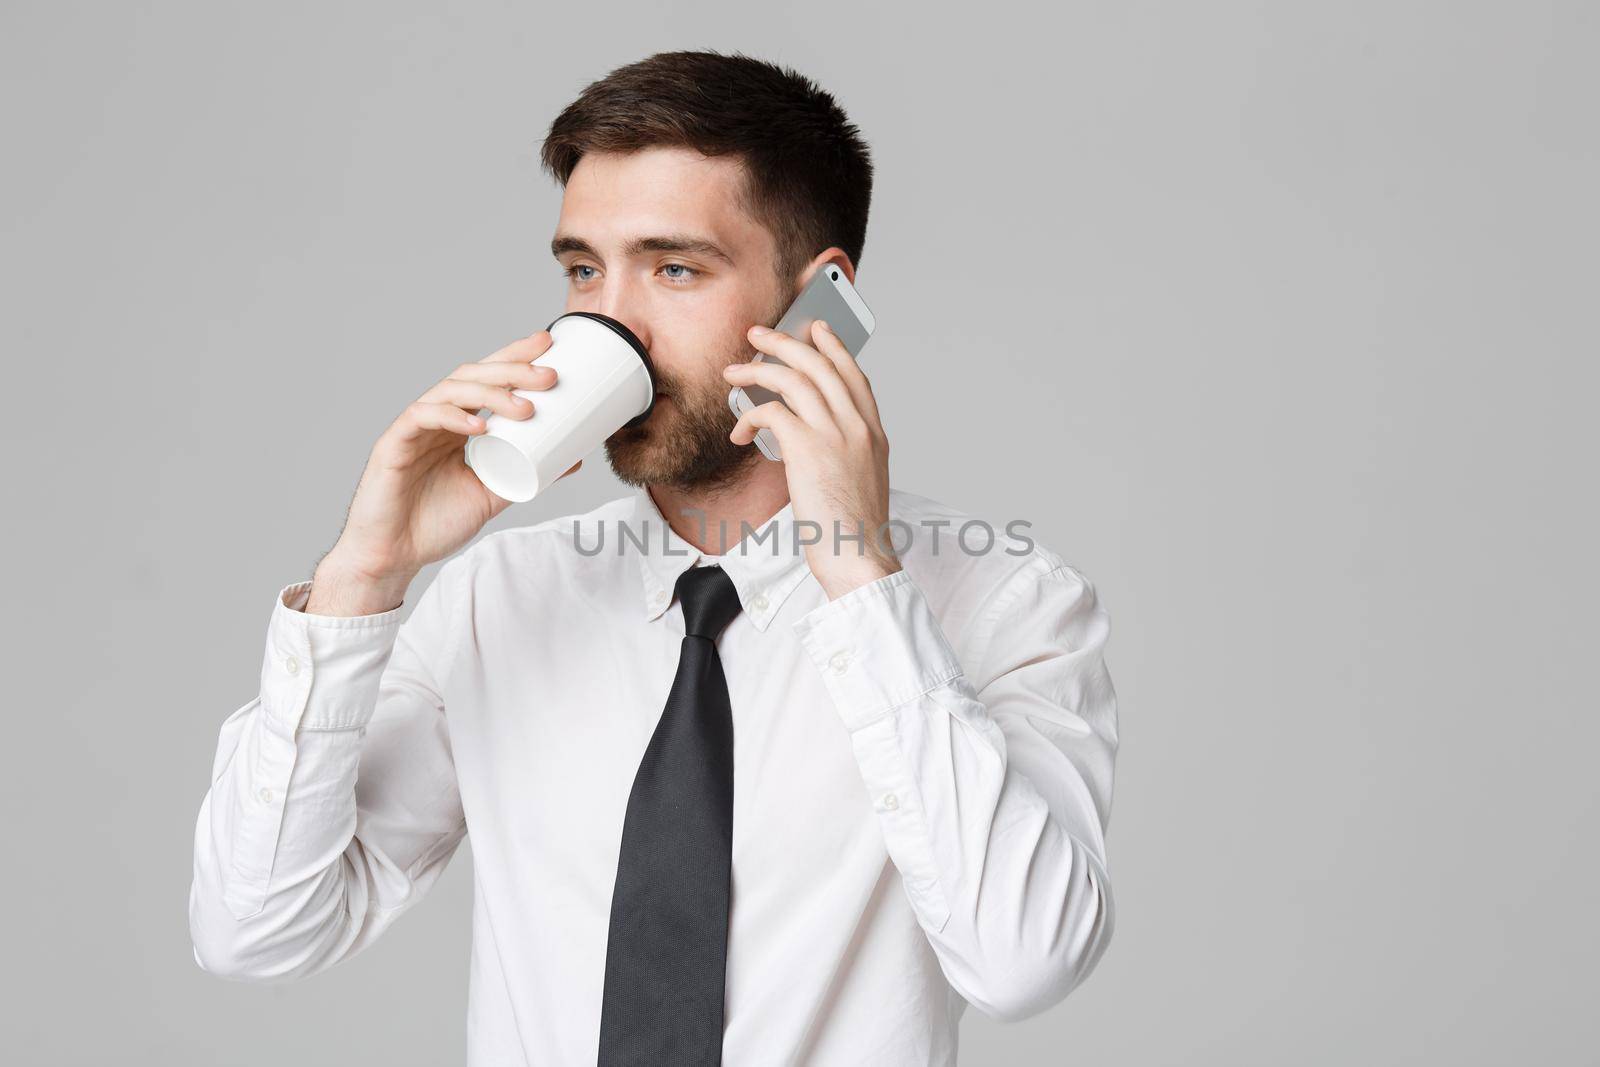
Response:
column 834, row 449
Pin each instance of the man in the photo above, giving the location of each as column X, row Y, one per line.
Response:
column 736, row 791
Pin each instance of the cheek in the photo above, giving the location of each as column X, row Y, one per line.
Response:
column 697, row 339
column 706, row 344
column 722, row 327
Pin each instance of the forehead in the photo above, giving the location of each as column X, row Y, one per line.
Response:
column 612, row 196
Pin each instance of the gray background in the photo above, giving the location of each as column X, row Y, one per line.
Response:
column 1270, row 318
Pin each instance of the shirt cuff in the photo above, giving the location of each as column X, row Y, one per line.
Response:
column 877, row 647
column 321, row 672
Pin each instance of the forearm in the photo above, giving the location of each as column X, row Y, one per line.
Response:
column 997, row 833
column 273, row 892
column 1017, row 908
column 287, row 881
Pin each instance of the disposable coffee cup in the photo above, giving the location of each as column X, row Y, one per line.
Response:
column 604, row 382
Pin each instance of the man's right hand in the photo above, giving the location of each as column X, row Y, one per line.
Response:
column 417, row 500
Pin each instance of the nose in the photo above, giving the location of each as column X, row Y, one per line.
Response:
column 634, row 323
column 617, row 301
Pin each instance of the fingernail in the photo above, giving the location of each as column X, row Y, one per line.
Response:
column 825, row 325
column 759, row 330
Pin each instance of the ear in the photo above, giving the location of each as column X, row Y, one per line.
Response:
column 835, row 256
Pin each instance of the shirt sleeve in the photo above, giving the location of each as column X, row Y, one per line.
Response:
column 990, row 772
column 333, row 805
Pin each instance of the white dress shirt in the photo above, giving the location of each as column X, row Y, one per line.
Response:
column 923, row 778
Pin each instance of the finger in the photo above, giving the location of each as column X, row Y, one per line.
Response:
column 819, row 369
column 420, row 418
column 785, row 425
column 475, row 396
column 796, row 389
column 513, row 374
column 525, row 349
column 850, row 372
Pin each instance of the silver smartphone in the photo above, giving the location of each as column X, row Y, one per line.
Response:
column 830, row 297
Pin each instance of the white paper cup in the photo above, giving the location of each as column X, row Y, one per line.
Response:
column 604, row 381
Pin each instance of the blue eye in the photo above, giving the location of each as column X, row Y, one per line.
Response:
column 689, row 273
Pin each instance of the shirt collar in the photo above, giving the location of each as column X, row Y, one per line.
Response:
column 766, row 565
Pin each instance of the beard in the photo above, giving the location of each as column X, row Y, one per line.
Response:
column 684, row 443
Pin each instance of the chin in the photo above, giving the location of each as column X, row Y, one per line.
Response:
column 641, row 458
column 683, row 444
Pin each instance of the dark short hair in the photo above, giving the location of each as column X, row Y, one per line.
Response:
column 808, row 171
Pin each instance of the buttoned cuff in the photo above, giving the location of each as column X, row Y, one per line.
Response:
column 321, row 672
column 877, row 647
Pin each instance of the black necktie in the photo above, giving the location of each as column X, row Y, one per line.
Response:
column 669, row 911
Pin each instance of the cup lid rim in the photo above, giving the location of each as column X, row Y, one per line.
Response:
column 629, row 336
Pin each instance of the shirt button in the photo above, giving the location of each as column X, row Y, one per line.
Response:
column 840, row 662
column 890, row 801
column 759, row 602
column 291, row 665
column 661, row 597
column 265, row 795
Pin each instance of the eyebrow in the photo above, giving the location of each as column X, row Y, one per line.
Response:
column 686, row 243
